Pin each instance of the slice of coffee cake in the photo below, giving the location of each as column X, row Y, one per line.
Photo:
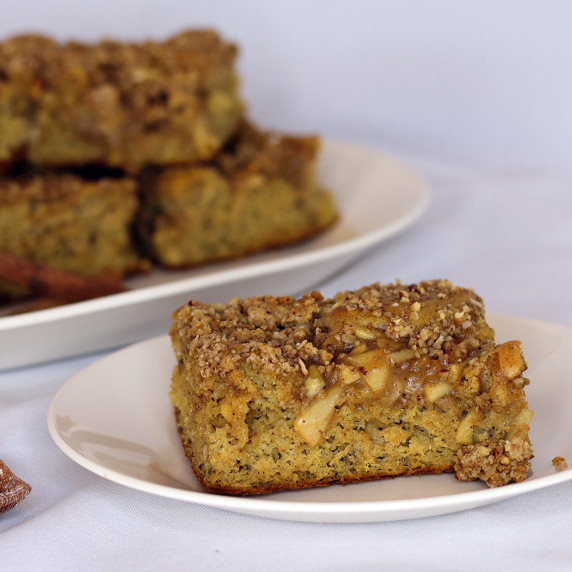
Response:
column 70, row 223
column 118, row 104
column 277, row 393
column 260, row 193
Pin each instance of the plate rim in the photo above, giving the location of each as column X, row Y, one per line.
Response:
column 312, row 511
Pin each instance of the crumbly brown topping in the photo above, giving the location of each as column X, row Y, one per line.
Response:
column 559, row 463
column 496, row 464
column 110, row 62
column 286, row 335
column 268, row 154
column 433, row 317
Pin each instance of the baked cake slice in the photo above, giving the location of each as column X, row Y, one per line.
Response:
column 282, row 393
column 119, row 104
column 260, row 193
column 70, row 223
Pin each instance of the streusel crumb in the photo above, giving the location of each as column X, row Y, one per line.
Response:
column 560, row 463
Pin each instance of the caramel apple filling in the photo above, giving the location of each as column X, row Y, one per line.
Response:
column 393, row 376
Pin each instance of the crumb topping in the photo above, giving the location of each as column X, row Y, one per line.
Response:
column 496, row 464
column 559, row 463
column 266, row 153
column 434, row 318
column 112, row 62
column 285, row 335
column 12, row 488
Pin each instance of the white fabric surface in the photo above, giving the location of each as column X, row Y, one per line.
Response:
column 506, row 234
column 478, row 97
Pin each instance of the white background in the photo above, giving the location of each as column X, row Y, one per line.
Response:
column 486, row 81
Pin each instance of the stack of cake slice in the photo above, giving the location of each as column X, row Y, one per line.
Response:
column 118, row 155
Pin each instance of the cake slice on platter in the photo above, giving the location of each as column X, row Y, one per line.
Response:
column 260, row 193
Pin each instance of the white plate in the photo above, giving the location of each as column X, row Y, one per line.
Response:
column 377, row 196
column 114, row 418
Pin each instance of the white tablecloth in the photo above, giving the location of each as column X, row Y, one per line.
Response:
column 508, row 234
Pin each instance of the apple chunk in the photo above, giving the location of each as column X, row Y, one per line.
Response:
column 374, row 367
column 312, row 424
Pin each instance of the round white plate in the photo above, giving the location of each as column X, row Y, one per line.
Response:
column 377, row 196
column 115, row 419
